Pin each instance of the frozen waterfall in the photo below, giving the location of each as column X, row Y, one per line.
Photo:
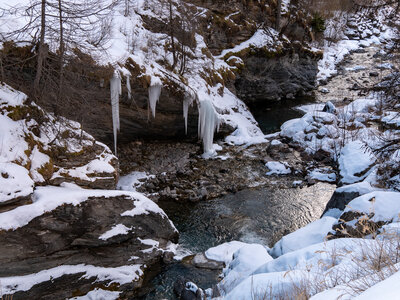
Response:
column 187, row 102
column 208, row 123
column 115, row 88
column 154, row 94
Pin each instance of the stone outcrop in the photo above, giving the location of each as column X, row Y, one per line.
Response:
column 274, row 76
column 71, row 235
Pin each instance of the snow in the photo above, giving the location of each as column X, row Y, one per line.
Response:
column 313, row 233
column 11, row 97
column 277, row 168
column 15, row 182
column 258, row 40
column 48, row 198
column 384, row 205
column 132, row 181
column 224, row 252
column 386, row 289
column 38, row 160
column 245, row 260
column 361, row 188
column 354, row 159
column 154, row 94
column 321, row 175
column 120, row 275
column 98, row 294
column 119, row 229
column 115, row 89
column 208, row 123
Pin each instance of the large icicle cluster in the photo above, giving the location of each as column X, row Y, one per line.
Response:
column 115, row 88
column 154, row 94
column 187, row 102
column 208, row 123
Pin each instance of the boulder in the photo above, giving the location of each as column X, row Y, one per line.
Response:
column 85, row 245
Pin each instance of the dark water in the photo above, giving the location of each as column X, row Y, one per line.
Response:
column 252, row 216
column 272, row 115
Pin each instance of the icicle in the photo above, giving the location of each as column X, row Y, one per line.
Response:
column 154, row 94
column 115, row 88
column 187, row 101
column 128, row 86
column 208, row 123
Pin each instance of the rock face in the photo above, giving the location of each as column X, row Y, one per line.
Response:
column 57, row 239
column 74, row 235
column 267, row 78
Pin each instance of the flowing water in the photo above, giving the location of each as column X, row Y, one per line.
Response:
column 271, row 115
column 253, row 216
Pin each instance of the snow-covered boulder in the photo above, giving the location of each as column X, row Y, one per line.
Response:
column 367, row 214
column 81, row 237
column 16, row 186
column 355, row 161
column 51, row 149
column 310, row 234
column 343, row 195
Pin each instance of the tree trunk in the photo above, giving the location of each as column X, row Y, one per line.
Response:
column 278, row 15
column 42, row 50
column 61, row 50
column 171, row 28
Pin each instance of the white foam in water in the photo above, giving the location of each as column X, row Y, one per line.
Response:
column 115, row 89
column 154, row 94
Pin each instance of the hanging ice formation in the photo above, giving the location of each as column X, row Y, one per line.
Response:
column 115, row 88
column 154, row 94
column 187, row 101
column 208, row 123
column 128, row 86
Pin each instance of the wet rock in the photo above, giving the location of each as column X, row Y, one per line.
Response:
column 201, row 261
column 187, row 290
column 271, row 78
column 373, row 74
column 329, row 107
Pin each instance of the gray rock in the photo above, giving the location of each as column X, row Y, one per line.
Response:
column 69, row 235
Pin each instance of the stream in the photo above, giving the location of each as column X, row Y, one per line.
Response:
column 258, row 215
column 254, row 216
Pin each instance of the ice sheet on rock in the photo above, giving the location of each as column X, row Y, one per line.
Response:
column 310, row 234
column 14, row 182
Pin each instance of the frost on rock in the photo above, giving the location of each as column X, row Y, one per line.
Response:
column 154, row 94
column 115, row 88
column 187, row 102
column 208, row 123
